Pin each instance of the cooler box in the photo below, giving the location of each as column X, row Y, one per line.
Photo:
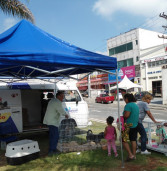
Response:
column 19, row 152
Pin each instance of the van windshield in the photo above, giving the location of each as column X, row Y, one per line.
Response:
column 71, row 96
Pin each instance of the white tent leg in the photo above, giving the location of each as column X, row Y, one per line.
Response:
column 120, row 127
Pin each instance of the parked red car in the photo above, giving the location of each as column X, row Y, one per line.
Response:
column 104, row 98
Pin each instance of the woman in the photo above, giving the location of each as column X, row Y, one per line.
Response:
column 143, row 111
column 131, row 116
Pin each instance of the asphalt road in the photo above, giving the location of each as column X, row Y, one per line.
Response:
column 98, row 111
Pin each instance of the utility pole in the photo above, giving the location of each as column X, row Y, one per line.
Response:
column 89, row 86
column 163, row 15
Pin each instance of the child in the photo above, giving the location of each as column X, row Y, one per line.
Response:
column 110, row 135
column 122, row 123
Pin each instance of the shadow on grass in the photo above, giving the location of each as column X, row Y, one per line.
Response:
column 95, row 160
column 160, row 169
column 71, row 162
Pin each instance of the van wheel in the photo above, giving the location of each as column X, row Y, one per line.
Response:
column 111, row 101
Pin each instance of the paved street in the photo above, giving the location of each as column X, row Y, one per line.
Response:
column 98, row 111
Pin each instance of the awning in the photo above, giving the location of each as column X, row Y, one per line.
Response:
column 28, row 52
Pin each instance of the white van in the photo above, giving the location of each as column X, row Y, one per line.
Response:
column 23, row 105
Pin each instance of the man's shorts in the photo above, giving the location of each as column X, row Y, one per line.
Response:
column 133, row 134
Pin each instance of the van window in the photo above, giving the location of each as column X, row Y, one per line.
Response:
column 71, row 96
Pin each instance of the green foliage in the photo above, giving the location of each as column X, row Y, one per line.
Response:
column 16, row 8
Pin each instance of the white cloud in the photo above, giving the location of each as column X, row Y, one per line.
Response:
column 147, row 8
column 9, row 22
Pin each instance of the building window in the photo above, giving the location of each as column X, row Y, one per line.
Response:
column 111, row 51
column 130, row 62
column 153, row 64
column 121, row 48
column 137, row 58
column 136, row 42
column 125, row 63
column 149, row 64
column 122, row 64
column 157, row 63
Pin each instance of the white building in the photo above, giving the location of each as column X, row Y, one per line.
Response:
column 129, row 46
column 152, row 59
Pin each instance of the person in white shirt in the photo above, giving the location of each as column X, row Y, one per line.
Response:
column 143, row 111
column 52, row 118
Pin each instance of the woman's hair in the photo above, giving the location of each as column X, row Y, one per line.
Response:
column 110, row 120
column 147, row 96
column 130, row 97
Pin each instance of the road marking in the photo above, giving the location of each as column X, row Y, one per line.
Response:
column 97, row 120
column 100, row 121
column 158, row 113
column 96, row 111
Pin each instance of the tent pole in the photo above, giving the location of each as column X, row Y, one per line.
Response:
column 89, row 86
column 120, row 127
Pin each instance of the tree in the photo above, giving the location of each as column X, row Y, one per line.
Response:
column 16, row 8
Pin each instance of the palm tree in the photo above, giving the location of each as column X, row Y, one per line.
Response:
column 16, row 8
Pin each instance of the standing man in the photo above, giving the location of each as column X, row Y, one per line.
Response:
column 143, row 111
column 52, row 118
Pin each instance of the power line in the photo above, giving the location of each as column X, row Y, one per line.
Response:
column 163, row 15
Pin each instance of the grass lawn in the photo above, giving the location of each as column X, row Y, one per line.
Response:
column 93, row 160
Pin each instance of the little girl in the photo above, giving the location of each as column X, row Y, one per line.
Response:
column 110, row 136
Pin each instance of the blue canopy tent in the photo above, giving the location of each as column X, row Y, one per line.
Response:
column 27, row 51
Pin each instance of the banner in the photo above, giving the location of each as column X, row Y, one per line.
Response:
column 128, row 71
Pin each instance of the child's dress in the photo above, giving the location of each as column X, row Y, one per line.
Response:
column 110, row 137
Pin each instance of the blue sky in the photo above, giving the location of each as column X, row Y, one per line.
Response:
column 89, row 23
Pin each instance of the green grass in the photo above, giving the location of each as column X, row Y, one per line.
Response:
column 69, row 161
column 93, row 160
column 160, row 169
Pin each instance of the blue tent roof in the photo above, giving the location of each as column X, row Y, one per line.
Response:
column 25, row 46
